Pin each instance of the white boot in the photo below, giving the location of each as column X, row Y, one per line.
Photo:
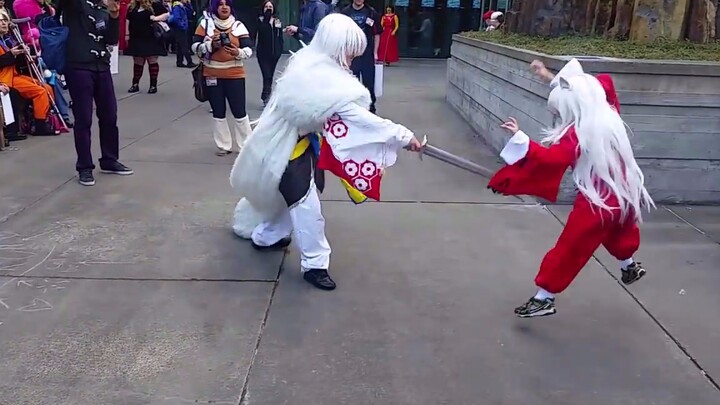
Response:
column 241, row 130
column 221, row 133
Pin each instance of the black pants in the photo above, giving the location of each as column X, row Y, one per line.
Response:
column 364, row 68
column 232, row 90
column 267, row 68
column 182, row 47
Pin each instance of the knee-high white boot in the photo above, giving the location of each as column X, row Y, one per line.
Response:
column 221, row 134
column 241, row 130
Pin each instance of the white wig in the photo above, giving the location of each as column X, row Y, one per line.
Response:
column 606, row 163
column 340, row 38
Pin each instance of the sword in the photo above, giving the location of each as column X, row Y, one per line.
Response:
column 457, row 161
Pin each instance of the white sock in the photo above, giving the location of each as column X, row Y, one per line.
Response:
column 625, row 263
column 543, row 294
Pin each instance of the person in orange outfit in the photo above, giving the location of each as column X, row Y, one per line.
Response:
column 591, row 138
column 388, row 49
column 24, row 85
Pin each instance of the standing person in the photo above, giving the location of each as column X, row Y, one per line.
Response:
column 611, row 195
column 364, row 66
column 143, row 45
column 180, row 25
column 93, row 27
column 223, row 43
column 280, row 170
column 269, row 46
column 311, row 12
column 388, row 48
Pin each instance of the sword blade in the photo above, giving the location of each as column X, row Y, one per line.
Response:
column 454, row 160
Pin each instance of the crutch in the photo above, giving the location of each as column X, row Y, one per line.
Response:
column 34, row 70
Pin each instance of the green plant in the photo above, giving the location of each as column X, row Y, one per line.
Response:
column 597, row 46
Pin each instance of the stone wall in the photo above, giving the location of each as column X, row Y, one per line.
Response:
column 673, row 109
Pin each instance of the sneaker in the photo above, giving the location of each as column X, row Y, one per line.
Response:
column 535, row 307
column 85, row 177
column 633, row 273
column 134, row 88
column 282, row 244
column 116, row 168
column 320, row 279
column 152, row 90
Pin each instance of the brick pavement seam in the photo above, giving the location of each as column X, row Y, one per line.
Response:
column 690, row 224
column 662, row 327
column 243, row 399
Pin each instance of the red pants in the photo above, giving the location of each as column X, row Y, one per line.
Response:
column 584, row 232
column 34, row 92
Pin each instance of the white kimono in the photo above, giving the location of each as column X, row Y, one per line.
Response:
column 313, row 95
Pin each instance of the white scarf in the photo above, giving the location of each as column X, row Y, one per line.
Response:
column 225, row 24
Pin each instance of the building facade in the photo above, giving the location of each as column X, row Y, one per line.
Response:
column 426, row 26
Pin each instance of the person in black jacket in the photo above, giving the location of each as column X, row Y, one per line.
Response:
column 269, row 46
column 93, row 25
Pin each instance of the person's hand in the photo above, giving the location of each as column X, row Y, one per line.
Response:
column 153, row 18
column 4, row 89
column 511, row 126
column 216, row 42
column 232, row 50
column 539, row 69
column 414, row 145
column 18, row 50
column 291, row 30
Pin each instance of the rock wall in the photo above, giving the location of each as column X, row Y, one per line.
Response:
column 637, row 20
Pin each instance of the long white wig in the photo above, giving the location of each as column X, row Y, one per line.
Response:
column 606, row 163
column 340, row 38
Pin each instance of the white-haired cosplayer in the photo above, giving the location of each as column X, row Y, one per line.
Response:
column 591, row 138
column 317, row 119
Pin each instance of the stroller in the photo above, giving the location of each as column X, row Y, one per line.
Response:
column 41, row 77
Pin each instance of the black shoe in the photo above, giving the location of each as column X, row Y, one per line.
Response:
column 320, row 279
column 42, row 128
column 68, row 122
column 536, row 307
column 134, row 88
column 85, row 177
column 191, row 65
column 15, row 137
column 115, row 168
column 279, row 245
column 180, row 65
column 152, row 90
column 633, row 273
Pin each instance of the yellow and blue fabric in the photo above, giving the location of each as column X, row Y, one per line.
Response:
column 295, row 182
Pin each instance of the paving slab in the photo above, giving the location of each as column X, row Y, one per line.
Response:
column 165, row 222
column 76, row 342
column 423, row 315
column 682, row 281
column 705, row 219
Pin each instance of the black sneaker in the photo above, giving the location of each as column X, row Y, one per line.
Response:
column 134, row 88
column 152, row 90
column 536, row 307
column 320, row 279
column 116, row 168
column 633, row 273
column 85, row 177
column 279, row 245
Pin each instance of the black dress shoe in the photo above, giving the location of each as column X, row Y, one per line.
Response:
column 279, row 245
column 320, row 279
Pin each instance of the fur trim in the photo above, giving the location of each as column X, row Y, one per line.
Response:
column 310, row 90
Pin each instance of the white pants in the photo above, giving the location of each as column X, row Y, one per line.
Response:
column 305, row 221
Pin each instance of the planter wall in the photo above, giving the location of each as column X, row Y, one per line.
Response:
column 673, row 109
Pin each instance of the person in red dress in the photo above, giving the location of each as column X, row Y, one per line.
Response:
column 590, row 138
column 388, row 49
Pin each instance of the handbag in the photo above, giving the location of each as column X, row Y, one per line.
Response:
column 199, row 84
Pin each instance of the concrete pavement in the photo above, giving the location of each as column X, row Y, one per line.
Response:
column 135, row 291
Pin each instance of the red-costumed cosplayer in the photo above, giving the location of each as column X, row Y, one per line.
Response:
column 592, row 139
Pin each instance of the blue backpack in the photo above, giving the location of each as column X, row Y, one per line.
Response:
column 53, row 37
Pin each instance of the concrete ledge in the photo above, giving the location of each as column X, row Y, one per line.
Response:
column 672, row 107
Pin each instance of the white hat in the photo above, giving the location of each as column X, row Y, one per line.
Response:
column 495, row 15
column 571, row 69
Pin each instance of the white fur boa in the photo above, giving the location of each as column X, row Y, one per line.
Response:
column 310, row 90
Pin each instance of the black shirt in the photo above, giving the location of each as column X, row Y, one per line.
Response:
column 369, row 21
column 91, row 31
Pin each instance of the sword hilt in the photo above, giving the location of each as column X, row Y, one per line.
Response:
column 422, row 150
